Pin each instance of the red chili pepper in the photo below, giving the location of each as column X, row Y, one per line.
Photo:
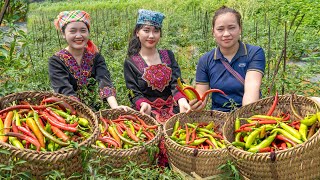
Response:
column 131, row 135
column 14, row 127
column 283, row 146
column 210, row 143
column 24, row 137
column 144, row 124
column 59, row 133
column 245, row 129
column 211, row 91
column 110, row 141
column 26, row 131
column 259, row 122
column 283, row 138
column 127, row 116
column 266, row 149
column 273, row 107
column 136, row 126
column 61, row 103
column 193, row 134
column 58, row 124
column 120, row 130
column 55, row 115
column 22, row 107
column 149, row 136
column 187, row 134
column 297, row 126
column 274, row 145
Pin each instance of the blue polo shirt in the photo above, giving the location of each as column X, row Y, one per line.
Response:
column 210, row 70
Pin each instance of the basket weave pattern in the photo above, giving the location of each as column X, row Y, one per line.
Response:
column 119, row 157
column 65, row 160
column 203, row 162
column 299, row 162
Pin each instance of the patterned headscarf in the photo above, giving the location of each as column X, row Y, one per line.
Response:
column 148, row 17
column 66, row 17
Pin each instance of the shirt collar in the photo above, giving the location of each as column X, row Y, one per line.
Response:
column 242, row 51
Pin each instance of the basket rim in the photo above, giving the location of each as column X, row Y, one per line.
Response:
column 50, row 155
column 280, row 154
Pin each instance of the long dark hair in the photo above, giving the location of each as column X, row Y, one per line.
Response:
column 134, row 43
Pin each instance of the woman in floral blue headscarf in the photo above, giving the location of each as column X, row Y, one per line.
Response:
column 151, row 74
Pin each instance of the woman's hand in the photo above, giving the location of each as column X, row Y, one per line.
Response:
column 145, row 108
column 184, row 105
column 197, row 105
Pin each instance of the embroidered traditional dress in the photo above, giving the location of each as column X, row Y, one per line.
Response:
column 67, row 76
column 155, row 84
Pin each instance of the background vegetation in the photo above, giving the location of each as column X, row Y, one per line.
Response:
column 288, row 31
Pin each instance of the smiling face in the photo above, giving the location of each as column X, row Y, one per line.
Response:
column 149, row 36
column 76, row 35
column 226, row 30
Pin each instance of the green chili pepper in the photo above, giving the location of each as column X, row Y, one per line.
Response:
column 309, row 120
column 15, row 142
column 17, row 118
column 221, row 144
column 265, row 143
column 303, row 129
column 237, row 124
column 252, row 136
column 100, row 144
column 50, row 146
column 198, row 141
column 238, row 136
column 48, row 128
column 176, row 125
column 83, row 122
column 289, row 145
column 214, row 142
column 287, row 135
column 210, row 125
column 238, row 144
column 139, row 132
column 46, row 134
column 290, row 130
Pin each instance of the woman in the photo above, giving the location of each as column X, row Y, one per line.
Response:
column 233, row 67
column 71, row 67
column 151, row 74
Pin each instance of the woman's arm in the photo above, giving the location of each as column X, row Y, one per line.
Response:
column 252, row 85
column 102, row 76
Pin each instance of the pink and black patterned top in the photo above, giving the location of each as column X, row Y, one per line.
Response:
column 154, row 84
column 67, row 76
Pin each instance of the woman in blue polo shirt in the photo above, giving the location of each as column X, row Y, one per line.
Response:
column 234, row 67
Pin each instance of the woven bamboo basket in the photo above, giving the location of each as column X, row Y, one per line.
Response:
column 204, row 163
column 299, row 162
column 117, row 158
column 65, row 160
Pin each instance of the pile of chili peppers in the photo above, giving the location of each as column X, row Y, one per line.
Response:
column 198, row 135
column 49, row 126
column 125, row 132
column 267, row 133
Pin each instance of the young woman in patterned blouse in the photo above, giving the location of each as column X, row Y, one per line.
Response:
column 71, row 67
